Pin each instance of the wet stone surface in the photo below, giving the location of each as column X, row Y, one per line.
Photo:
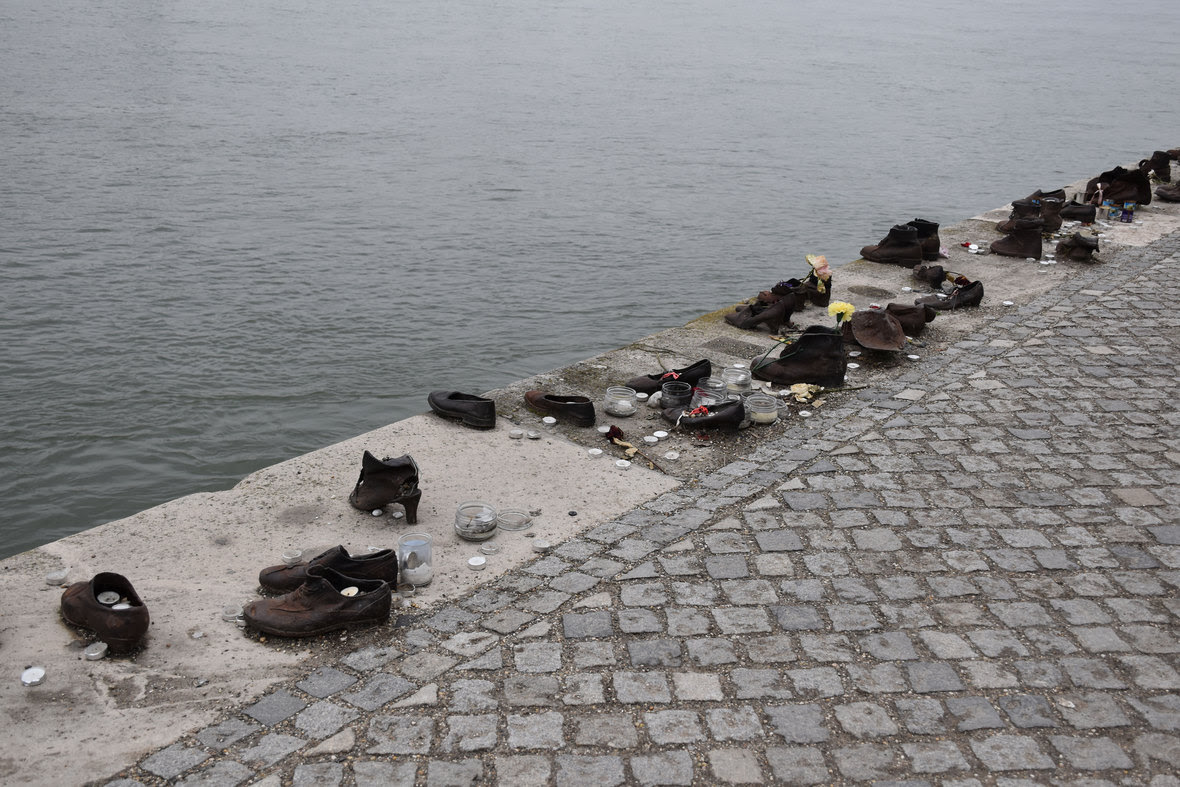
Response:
column 965, row 574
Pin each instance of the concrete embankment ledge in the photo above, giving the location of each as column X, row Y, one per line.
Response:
column 967, row 569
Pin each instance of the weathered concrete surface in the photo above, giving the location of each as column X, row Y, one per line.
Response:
column 792, row 547
column 191, row 557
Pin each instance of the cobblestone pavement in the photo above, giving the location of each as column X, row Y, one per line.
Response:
column 969, row 575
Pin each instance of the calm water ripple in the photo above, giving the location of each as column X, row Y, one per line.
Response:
column 234, row 233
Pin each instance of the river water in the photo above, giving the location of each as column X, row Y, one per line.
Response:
column 236, row 232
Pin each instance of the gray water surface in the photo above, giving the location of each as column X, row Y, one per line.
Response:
column 236, row 232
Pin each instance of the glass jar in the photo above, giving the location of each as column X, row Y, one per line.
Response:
column 475, row 521
column 620, row 401
column 675, row 394
column 737, row 380
column 415, row 559
column 705, row 399
column 714, row 385
column 762, row 408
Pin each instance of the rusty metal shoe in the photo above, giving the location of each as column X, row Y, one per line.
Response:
column 326, row 601
column 900, row 247
column 969, row 293
column 378, row 565
column 723, row 415
column 109, row 606
column 1075, row 211
column 816, row 357
column 913, row 319
column 578, row 410
column 691, row 374
column 1079, row 248
column 386, row 481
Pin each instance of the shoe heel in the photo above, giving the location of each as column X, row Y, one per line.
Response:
column 410, row 503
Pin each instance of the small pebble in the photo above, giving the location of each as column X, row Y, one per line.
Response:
column 603, row 429
column 377, row 512
column 540, row 545
column 197, row 634
column 95, row 651
column 1008, row 303
column 913, row 357
column 805, row 413
column 397, row 515
column 854, row 354
column 32, row 676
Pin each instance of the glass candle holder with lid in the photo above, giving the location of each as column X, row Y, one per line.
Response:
column 475, row 521
column 762, row 408
column 620, row 401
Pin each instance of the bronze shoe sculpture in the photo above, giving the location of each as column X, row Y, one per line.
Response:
column 326, row 601
column 578, row 410
column 691, row 374
column 1023, row 240
column 109, row 606
column 900, row 247
column 474, row 411
column 968, row 294
column 1021, row 209
column 723, row 415
column 1079, row 248
column 1075, row 211
column 928, row 238
column 378, row 565
column 775, row 317
column 1051, row 213
column 1160, row 164
column 913, row 319
column 386, row 481
column 816, row 357
column 1169, row 193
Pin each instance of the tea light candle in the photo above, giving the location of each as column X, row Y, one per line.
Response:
column 477, row 563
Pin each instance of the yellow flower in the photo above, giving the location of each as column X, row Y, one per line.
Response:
column 840, row 310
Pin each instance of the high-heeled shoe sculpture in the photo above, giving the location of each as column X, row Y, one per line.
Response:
column 385, row 481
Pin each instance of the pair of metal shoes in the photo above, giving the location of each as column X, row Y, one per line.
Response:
column 331, row 591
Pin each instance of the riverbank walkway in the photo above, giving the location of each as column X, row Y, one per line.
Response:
column 966, row 574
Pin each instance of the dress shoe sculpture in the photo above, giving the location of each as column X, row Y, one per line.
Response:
column 577, row 410
column 691, row 374
column 378, row 565
column 474, row 411
column 326, row 601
